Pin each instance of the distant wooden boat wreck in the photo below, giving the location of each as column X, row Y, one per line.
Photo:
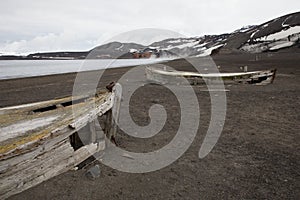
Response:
column 40, row 140
column 175, row 77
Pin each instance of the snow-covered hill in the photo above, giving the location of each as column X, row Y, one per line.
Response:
column 196, row 46
column 286, row 36
column 274, row 35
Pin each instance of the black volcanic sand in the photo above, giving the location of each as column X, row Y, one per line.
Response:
column 257, row 155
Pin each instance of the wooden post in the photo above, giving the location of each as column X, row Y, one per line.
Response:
column 108, row 123
column 112, row 116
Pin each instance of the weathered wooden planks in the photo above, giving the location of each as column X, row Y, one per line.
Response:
column 177, row 77
column 60, row 128
column 39, row 152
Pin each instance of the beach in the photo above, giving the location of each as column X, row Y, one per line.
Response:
column 257, row 155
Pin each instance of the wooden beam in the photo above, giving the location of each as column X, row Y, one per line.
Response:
column 112, row 117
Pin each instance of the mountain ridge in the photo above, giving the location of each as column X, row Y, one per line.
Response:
column 274, row 35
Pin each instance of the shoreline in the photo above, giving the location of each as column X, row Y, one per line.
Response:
column 31, row 89
column 56, row 67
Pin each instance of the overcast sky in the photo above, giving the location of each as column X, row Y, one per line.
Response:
column 39, row 26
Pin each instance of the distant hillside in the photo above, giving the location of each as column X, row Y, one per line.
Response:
column 274, row 35
column 59, row 55
column 280, row 34
column 114, row 50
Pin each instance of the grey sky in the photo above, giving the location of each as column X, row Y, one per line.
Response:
column 37, row 25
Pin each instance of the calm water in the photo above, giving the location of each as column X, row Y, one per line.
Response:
column 27, row 68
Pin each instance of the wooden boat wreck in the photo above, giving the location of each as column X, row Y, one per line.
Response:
column 164, row 76
column 40, row 140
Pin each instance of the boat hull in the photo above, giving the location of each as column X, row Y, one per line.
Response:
column 40, row 140
column 180, row 77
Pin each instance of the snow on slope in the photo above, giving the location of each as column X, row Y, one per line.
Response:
column 194, row 46
column 245, row 29
column 181, row 46
column 208, row 51
column 282, row 45
column 276, row 34
column 281, row 34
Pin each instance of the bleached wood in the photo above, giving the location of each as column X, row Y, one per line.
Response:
column 45, row 152
column 58, row 165
column 116, row 109
column 255, row 77
column 108, row 123
column 65, row 125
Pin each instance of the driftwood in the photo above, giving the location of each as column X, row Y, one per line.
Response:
column 40, row 140
column 175, row 77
